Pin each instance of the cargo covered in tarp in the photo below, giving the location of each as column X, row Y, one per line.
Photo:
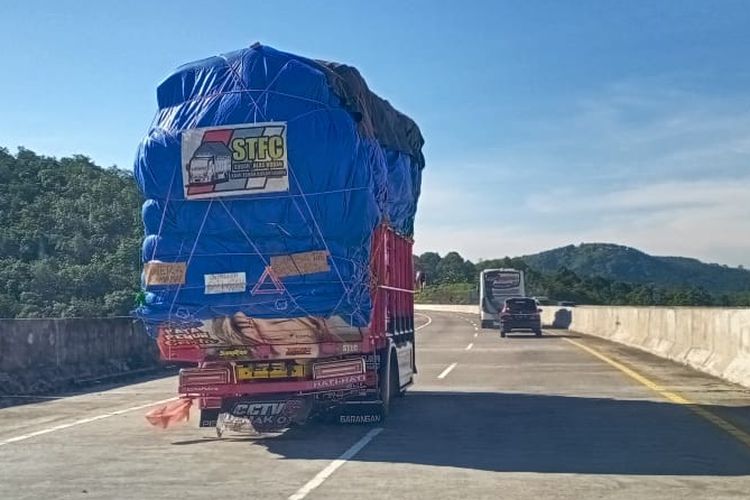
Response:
column 265, row 176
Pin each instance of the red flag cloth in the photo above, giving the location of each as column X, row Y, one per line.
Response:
column 169, row 414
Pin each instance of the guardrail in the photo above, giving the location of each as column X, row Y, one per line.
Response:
column 713, row 340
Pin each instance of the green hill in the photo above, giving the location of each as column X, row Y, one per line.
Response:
column 70, row 237
column 620, row 263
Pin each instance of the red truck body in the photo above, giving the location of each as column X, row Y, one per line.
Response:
column 353, row 381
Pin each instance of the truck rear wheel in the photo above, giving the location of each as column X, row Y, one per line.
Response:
column 389, row 387
column 385, row 394
column 400, row 391
column 396, row 383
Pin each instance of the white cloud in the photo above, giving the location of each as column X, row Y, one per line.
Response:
column 717, row 233
column 642, row 164
column 690, row 195
column 709, row 220
column 494, row 239
column 705, row 219
column 637, row 130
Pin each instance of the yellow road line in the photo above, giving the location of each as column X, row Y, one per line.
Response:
column 719, row 422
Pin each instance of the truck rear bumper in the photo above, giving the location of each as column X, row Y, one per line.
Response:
column 280, row 387
column 275, row 413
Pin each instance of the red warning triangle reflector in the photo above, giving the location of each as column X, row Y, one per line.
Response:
column 268, row 284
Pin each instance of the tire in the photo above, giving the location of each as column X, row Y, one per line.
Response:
column 401, row 392
column 538, row 333
column 386, row 389
column 503, row 333
column 395, row 383
column 486, row 323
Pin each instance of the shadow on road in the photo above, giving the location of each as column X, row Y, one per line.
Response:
column 532, row 433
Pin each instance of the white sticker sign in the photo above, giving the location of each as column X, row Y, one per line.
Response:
column 235, row 160
column 224, row 283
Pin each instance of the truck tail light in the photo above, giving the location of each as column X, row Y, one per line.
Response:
column 341, row 368
column 209, row 376
column 209, row 403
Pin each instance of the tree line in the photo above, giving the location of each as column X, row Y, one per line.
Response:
column 451, row 279
column 70, row 239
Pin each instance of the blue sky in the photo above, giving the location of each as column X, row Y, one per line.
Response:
column 547, row 123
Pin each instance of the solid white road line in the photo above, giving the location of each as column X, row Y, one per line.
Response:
column 468, row 347
column 321, row 476
column 429, row 320
column 68, row 425
column 445, row 372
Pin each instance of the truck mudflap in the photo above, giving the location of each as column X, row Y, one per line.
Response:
column 264, row 414
column 209, row 417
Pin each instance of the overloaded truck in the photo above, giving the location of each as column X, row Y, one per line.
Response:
column 282, row 281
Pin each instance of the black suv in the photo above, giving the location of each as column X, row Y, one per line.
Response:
column 520, row 313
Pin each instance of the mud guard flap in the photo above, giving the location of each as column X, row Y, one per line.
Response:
column 209, row 416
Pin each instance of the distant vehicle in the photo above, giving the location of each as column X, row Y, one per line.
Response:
column 496, row 285
column 566, row 304
column 545, row 301
column 520, row 313
column 420, row 280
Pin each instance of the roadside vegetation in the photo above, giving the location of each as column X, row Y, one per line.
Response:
column 69, row 238
column 453, row 280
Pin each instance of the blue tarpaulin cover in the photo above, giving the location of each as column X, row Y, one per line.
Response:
column 265, row 174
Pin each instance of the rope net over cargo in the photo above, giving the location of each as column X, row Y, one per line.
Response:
column 265, row 176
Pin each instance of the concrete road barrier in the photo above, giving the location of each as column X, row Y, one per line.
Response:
column 43, row 355
column 713, row 340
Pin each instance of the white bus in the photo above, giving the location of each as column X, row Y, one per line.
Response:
column 496, row 285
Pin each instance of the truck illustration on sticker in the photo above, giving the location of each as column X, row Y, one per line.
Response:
column 211, row 162
column 238, row 160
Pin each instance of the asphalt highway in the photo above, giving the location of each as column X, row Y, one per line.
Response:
column 561, row 416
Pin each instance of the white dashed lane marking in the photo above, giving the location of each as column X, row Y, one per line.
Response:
column 445, row 372
column 321, row 476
